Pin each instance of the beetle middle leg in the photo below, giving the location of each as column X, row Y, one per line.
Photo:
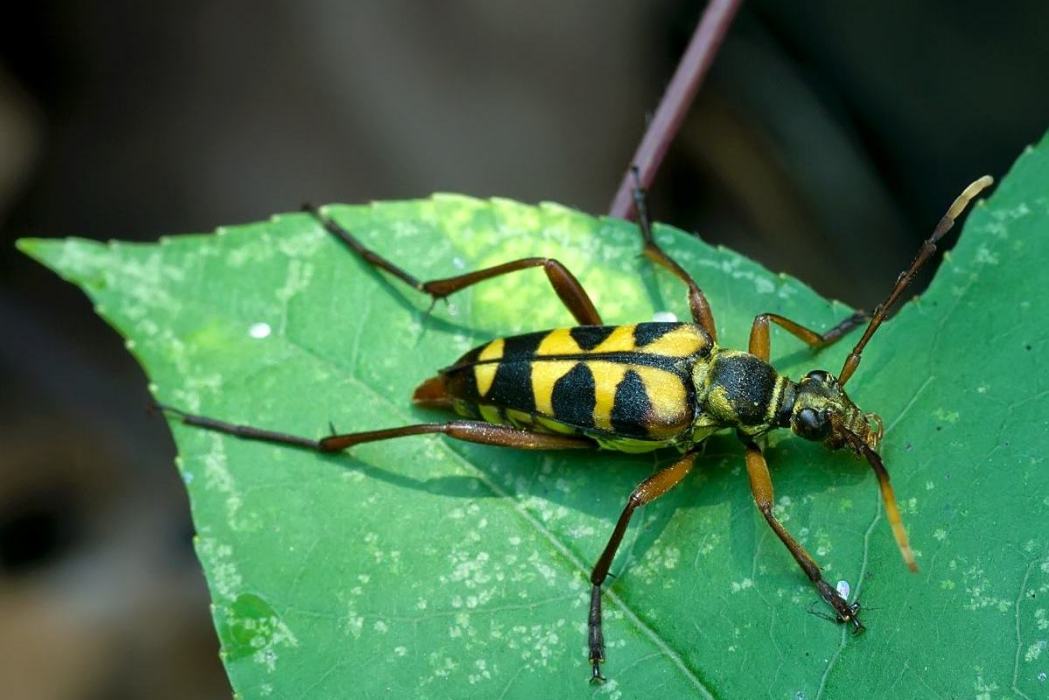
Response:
column 568, row 288
column 647, row 491
column 761, row 487
column 759, row 332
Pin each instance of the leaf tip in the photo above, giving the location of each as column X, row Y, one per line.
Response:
column 29, row 246
column 40, row 249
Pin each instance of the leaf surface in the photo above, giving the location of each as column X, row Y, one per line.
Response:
column 427, row 568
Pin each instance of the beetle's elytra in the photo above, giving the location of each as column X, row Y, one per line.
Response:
column 637, row 388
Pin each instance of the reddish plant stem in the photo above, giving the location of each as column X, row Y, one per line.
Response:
column 676, row 100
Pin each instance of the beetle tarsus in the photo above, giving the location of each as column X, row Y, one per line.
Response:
column 844, row 612
column 854, row 619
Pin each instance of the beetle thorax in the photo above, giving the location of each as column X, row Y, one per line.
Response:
column 738, row 390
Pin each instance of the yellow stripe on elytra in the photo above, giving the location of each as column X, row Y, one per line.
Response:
column 558, row 342
column 666, row 394
column 665, row 391
column 680, row 342
column 607, row 376
column 545, row 374
column 619, row 340
column 484, row 374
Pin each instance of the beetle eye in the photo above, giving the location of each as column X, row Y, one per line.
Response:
column 811, row 425
column 818, row 375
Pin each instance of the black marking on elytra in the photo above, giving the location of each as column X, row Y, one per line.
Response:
column 589, row 337
column 678, row 365
column 522, row 346
column 748, row 383
column 645, row 333
column 516, row 347
column 471, row 357
column 512, row 386
column 631, row 408
column 575, row 396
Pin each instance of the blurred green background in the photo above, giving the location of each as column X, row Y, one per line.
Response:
column 826, row 143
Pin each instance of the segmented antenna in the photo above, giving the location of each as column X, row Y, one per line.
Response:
column 906, row 277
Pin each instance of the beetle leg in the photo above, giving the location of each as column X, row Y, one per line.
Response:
column 761, row 487
column 759, row 332
column 468, row 431
column 647, row 491
column 697, row 301
column 565, row 284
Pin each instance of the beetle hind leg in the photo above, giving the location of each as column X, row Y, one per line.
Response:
column 647, row 491
column 465, row 430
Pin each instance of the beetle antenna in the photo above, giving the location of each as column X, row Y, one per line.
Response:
column 892, row 512
column 906, row 277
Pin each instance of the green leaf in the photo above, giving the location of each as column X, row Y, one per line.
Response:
column 422, row 567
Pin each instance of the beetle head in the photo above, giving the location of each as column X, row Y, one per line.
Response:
column 824, row 413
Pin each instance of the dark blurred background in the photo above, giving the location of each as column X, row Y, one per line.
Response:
column 827, row 142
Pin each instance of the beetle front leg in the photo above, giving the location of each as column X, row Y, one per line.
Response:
column 647, row 491
column 759, row 332
column 761, row 487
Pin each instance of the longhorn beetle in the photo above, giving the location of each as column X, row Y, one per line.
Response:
column 637, row 388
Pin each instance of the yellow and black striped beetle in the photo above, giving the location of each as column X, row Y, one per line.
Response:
column 637, row 388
